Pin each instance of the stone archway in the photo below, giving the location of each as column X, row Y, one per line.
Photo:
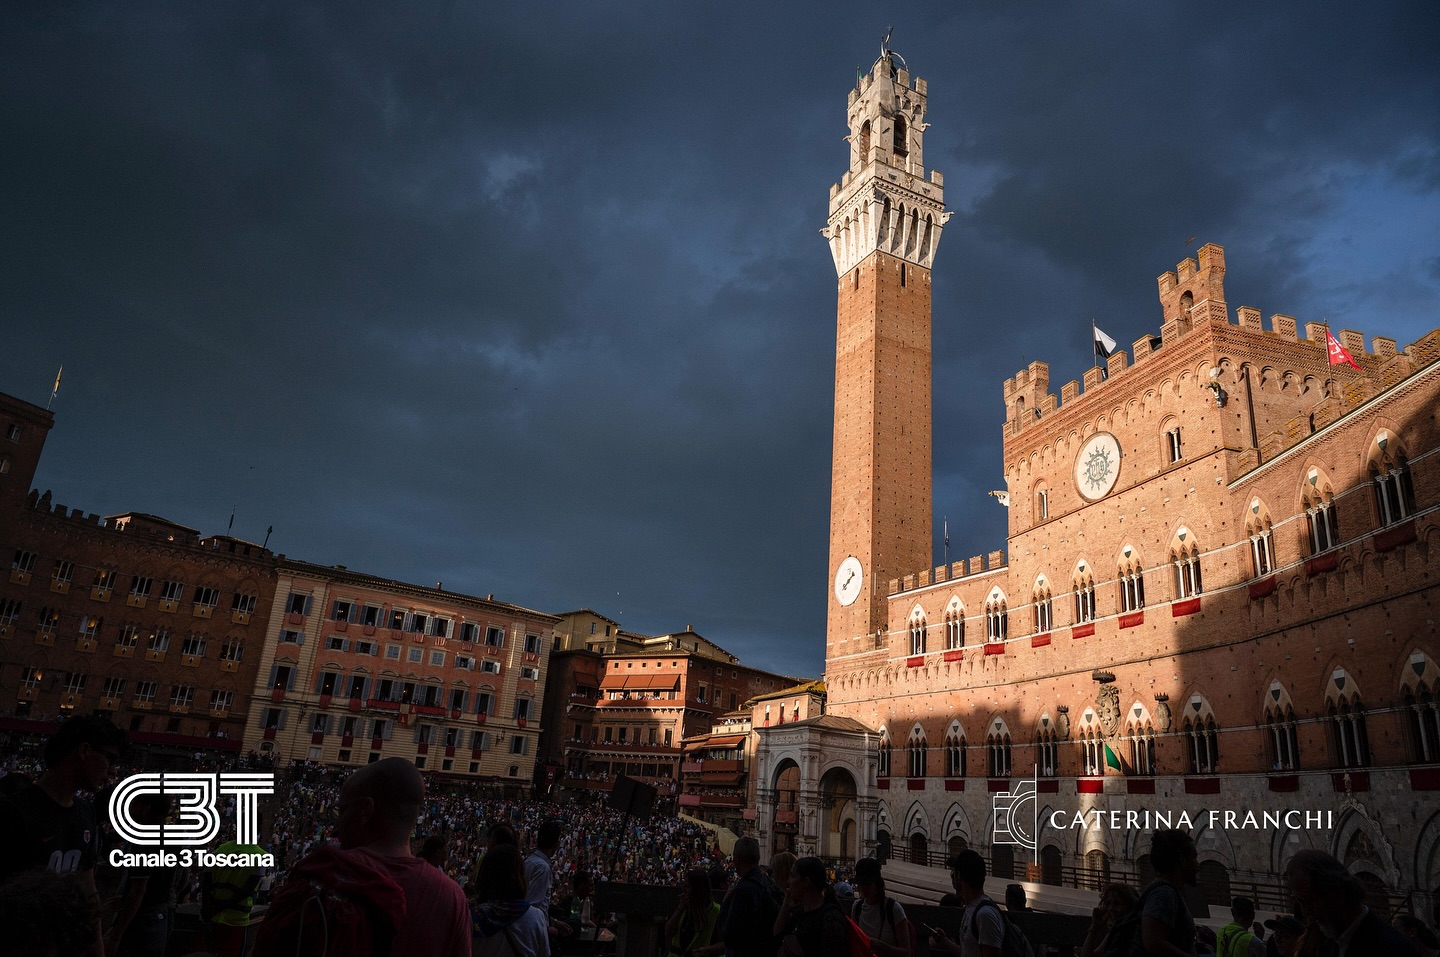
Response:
column 785, row 824
column 839, row 815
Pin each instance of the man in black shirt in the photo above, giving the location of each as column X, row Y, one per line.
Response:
column 45, row 825
column 820, row 926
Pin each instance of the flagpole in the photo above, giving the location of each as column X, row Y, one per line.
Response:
column 56, row 390
column 1094, row 353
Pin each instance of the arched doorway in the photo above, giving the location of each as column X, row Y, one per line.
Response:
column 1214, row 881
column 1050, row 868
column 882, row 846
column 919, row 849
column 786, row 825
column 956, row 845
column 839, row 822
column 1377, row 894
column 1002, row 861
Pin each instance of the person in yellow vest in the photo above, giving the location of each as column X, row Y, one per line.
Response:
column 227, row 896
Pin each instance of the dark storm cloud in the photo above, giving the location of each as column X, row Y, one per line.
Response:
column 532, row 301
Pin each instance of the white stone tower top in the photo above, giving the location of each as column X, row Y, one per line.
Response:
column 884, row 201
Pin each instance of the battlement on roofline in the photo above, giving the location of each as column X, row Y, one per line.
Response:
column 975, row 567
column 1196, row 327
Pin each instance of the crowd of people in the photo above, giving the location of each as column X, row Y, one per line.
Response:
column 370, row 859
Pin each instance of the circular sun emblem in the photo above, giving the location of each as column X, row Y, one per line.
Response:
column 1097, row 466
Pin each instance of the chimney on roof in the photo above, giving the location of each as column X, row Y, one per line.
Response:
column 439, row 586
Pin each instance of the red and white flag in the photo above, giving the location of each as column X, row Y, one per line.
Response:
column 1339, row 355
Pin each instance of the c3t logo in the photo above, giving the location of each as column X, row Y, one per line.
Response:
column 196, row 821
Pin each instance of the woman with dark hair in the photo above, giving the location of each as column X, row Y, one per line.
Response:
column 693, row 923
column 1116, row 902
column 502, row 922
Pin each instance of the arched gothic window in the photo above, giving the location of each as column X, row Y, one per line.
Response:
column 917, row 634
column 954, row 627
column 955, row 752
column 1262, row 541
column 1084, row 595
column 917, row 752
column 1044, row 609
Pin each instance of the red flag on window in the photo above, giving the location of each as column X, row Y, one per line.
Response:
column 1339, row 354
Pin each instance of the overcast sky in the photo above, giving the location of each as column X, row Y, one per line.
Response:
column 532, row 300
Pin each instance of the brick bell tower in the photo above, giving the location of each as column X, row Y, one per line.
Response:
column 884, row 226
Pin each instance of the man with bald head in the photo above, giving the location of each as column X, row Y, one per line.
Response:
column 379, row 805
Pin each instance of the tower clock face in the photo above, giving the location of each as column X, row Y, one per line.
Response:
column 1097, row 466
column 848, row 579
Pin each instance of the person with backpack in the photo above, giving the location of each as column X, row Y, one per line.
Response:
column 1237, row 939
column 1167, row 929
column 820, row 928
column 752, row 905
column 982, row 927
column 881, row 918
column 349, row 901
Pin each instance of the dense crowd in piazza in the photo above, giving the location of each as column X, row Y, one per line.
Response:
column 597, row 839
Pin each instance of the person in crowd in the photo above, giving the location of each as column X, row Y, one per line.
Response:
column 227, row 900
column 691, row 927
column 754, row 902
column 818, row 924
column 982, row 926
column 1167, row 928
column 1205, row 942
column 147, row 902
column 504, row 923
column 1015, row 898
column 780, row 867
column 378, row 807
column 1332, row 897
column 45, row 914
column 1420, row 934
column 881, row 918
column 1116, row 903
column 1285, row 933
column 1242, row 937
column 45, row 824
column 433, row 851
column 540, row 865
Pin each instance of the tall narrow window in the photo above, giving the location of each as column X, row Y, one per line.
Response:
column 1394, row 494
column 865, row 143
column 954, row 754
column 1424, row 722
column 1187, row 573
column 1044, row 610
column 954, row 628
column 1047, row 753
column 997, row 748
column 1172, row 445
column 1202, row 744
column 917, row 635
column 1323, row 524
column 917, row 753
column 1132, row 588
column 1352, row 741
column 1084, row 598
column 883, row 758
column 1283, row 740
column 997, row 620
column 1142, row 748
column 1091, row 752
column 902, row 144
column 1262, row 552
column 1042, row 504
